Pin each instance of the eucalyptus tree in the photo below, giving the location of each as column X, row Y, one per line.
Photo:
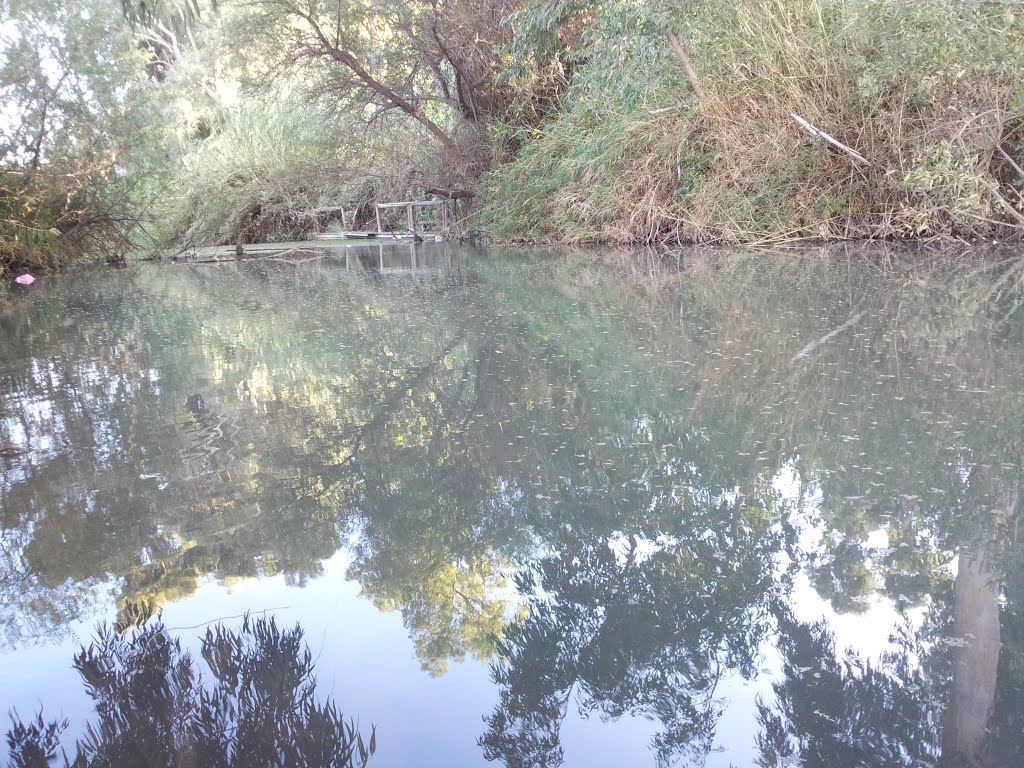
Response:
column 435, row 62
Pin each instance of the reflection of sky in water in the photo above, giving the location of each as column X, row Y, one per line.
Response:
column 866, row 633
column 542, row 435
column 365, row 660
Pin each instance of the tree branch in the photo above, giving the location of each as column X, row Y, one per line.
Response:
column 353, row 64
column 684, row 60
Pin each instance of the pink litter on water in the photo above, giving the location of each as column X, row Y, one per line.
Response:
column 24, row 279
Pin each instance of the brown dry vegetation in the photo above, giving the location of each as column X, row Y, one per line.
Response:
column 928, row 92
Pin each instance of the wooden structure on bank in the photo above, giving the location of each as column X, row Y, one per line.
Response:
column 410, row 212
column 384, row 255
column 445, row 203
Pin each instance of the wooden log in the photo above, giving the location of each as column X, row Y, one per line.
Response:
column 451, row 194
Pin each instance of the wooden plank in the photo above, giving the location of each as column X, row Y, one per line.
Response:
column 417, row 203
column 347, row 235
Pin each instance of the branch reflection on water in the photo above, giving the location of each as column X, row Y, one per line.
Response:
column 258, row 707
column 615, row 483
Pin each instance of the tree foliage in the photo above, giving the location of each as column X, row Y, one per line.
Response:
column 71, row 95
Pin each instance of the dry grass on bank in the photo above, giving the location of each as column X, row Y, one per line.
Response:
column 928, row 92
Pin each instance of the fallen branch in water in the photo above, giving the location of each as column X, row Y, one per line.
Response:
column 279, row 256
column 820, row 134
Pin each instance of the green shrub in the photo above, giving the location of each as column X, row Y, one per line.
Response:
column 927, row 91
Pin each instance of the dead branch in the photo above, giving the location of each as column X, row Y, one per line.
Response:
column 820, row 134
column 684, row 60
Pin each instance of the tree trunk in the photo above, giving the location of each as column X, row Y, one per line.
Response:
column 976, row 630
column 975, row 662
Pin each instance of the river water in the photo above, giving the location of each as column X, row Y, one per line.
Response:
column 539, row 508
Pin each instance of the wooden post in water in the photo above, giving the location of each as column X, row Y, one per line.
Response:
column 377, row 210
column 410, row 218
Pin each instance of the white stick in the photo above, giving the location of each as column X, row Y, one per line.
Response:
column 820, row 134
column 835, row 332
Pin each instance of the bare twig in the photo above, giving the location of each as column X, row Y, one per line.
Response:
column 1010, row 160
column 834, row 332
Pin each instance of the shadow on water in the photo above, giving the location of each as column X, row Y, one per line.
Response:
column 625, row 488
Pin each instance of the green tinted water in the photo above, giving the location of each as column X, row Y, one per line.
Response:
column 541, row 509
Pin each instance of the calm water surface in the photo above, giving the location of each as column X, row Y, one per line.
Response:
column 540, row 509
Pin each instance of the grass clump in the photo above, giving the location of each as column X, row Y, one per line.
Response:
column 262, row 171
column 260, row 175
column 928, row 92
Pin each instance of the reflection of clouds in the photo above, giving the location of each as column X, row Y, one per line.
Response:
column 33, row 613
column 867, row 632
column 794, row 493
column 637, row 549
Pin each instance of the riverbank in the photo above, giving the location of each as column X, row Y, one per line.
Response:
column 752, row 122
column 779, row 121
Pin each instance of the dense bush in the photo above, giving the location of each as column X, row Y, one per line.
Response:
column 928, row 92
column 72, row 97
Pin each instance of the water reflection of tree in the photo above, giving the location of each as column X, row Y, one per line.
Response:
column 629, row 629
column 540, row 416
column 836, row 709
column 154, row 707
column 107, row 482
column 921, row 484
column 946, row 693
